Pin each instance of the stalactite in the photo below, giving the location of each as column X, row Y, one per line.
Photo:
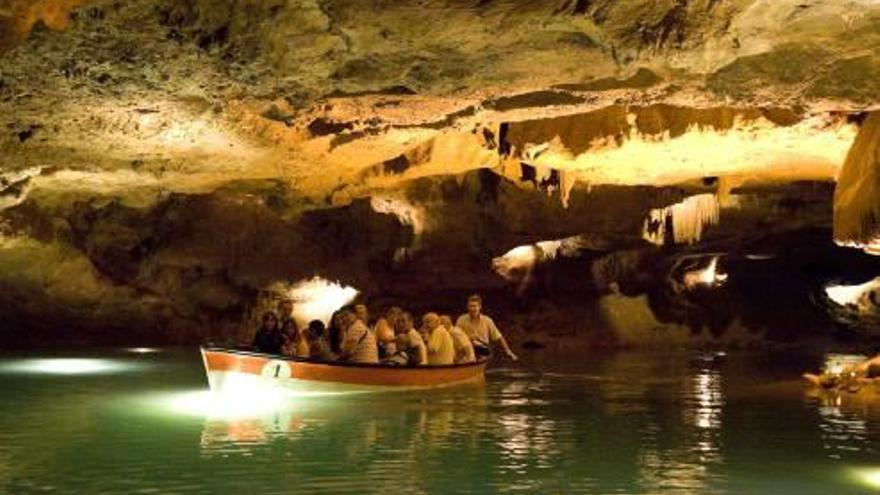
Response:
column 686, row 220
column 856, row 205
column 568, row 181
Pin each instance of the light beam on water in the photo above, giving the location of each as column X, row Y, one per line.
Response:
column 67, row 366
column 867, row 476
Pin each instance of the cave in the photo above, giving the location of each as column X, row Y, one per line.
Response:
column 615, row 179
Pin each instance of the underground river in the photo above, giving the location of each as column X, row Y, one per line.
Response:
column 143, row 421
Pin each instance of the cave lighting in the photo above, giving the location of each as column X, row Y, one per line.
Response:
column 519, row 258
column 240, row 397
column 143, row 350
column 867, row 476
column 317, row 298
column 207, row 404
column 173, row 128
column 522, row 259
column 707, row 277
column 66, row 366
column 871, row 247
column 859, row 295
column 837, row 363
column 760, row 257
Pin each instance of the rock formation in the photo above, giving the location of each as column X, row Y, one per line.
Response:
column 164, row 163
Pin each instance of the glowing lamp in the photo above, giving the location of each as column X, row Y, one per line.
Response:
column 142, row 350
column 869, row 477
column 318, row 298
column 837, row 364
column 708, row 277
column 858, row 295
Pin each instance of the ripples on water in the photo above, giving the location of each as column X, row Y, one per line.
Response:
column 142, row 422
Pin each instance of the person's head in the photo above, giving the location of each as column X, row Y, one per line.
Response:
column 362, row 313
column 285, row 308
column 270, row 320
column 430, row 321
column 392, row 313
column 347, row 317
column 403, row 323
column 316, row 329
column 446, row 321
column 474, row 305
column 289, row 328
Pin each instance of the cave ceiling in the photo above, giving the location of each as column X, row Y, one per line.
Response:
column 340, row 98
column 168, row 160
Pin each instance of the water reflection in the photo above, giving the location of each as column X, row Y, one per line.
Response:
column 219, row 434
column 526, row 435
column 625, row 423
column 708, row 399
column 844, row 416
column 841, row 431
column 687, row 466
column 67, row 366
column 411, row 419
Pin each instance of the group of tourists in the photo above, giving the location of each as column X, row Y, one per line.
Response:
column 392, row 339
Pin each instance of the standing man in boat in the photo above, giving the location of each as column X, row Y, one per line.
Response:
column 482, row 329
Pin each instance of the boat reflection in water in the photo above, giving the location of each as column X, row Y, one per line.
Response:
column 355, row 421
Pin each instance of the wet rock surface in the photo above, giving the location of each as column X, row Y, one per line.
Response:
column 165, row 162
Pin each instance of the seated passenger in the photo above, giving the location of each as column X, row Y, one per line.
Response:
column 358, row 342
column 319, row 348
column 464, row 349
column 334, row 333
column 363, row 314
column 384, row 332
column 295, row 344
column 268, row 338
column 441, row 350
column 411, row 348
column 285, row 312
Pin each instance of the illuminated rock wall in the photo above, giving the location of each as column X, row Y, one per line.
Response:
column 686, row 220
column 164, row 162
column 857, row 198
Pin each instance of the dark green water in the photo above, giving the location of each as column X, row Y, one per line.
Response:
column 119, row 422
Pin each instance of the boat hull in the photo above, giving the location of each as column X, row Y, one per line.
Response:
column 225, row 367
